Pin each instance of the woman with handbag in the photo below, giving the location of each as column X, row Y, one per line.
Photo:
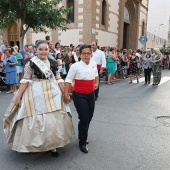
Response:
column 156, row 62
column 37, row 119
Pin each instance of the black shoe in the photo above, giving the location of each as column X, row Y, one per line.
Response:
column 83, row 148
column 153, row 84
column 87, row 142
column 145, row 82
column 54, row 153
column 96, row 98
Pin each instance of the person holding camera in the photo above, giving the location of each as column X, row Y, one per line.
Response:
column 9, row 64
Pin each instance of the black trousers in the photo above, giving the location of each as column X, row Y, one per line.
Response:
column 97, row 90
column 147, row 74
column 84, row 104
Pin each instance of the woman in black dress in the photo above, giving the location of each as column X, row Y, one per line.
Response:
column 133, row 68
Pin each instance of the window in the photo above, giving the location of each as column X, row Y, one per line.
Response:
column 70, row 16
column 143, row 29
column 104, row 6
column 126, row 14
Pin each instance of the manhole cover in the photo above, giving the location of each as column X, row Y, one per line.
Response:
column 164, row 120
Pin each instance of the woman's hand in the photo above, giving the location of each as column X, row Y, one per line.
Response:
column 67, row 99
column 101, row 71
column 17, row 102
column 12, row 64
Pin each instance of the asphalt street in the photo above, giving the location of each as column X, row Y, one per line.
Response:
column 124, row 134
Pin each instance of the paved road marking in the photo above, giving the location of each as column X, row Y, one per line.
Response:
column 140, row 79
column 163, row 80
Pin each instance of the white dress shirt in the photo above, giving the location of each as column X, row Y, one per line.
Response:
column 57, row 51
column 75, row 57
column 99, row 58
column 82, row 71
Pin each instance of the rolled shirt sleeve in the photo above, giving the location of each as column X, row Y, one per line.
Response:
column 96, row 71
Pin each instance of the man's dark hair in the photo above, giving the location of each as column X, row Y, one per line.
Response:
column 26, row 46
column 138, row 51
column 84, row 46
column 47, row 37
column 78, row 46
column 56, row 44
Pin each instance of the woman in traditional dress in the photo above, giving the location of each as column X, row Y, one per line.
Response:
column 37, row 119
column 156, row 62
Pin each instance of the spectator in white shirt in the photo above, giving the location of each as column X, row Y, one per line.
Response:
column 100, row 59
column 57, row 48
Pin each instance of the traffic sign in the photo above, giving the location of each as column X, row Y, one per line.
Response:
column 143, row 39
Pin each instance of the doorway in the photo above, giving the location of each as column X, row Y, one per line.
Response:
column 13, row 34
column 126, row 36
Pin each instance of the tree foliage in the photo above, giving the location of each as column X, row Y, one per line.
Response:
column 35, row 14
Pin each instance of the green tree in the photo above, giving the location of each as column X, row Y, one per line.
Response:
column 35, row 14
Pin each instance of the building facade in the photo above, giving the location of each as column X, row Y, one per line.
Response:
column 117, row 23
column 158, row 23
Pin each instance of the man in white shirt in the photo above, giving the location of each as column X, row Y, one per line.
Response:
column 77, row 54
column 100, row 59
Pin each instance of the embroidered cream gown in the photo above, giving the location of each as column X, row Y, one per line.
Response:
column 43, row 121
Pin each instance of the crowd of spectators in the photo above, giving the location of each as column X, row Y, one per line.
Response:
column 121, row 63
